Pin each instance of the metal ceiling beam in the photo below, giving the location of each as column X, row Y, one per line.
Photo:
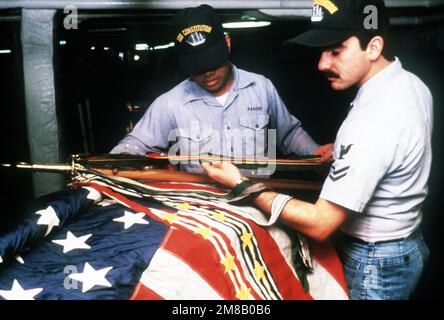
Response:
column 416, row 21
column 413, row 3
column 178, row 4
column 159, row 4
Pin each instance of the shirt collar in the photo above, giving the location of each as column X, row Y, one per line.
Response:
column 196, row 92
column 240, row 82
column 379, row 81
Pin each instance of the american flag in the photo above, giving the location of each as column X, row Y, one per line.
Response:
column 111, row 239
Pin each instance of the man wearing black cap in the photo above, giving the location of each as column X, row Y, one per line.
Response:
column 378, row 181
column 220, row 109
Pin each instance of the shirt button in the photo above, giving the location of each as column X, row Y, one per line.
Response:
column 228, row 128
column 257, row 126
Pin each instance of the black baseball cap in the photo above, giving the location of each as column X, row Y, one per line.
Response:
column 199, row 39
column 334, row 21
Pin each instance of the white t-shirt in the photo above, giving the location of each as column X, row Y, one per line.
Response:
column 383, row 156
column 223, row 98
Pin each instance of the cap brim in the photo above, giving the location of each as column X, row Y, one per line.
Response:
column 205, row 59
column 321, row 37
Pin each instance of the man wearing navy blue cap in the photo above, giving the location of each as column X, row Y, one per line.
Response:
column 219, row 109
column 378, row 181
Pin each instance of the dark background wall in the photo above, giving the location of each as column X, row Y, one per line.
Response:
column 15, row 187
column 111, row 80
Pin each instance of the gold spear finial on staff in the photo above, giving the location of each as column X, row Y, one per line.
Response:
column 72, row 167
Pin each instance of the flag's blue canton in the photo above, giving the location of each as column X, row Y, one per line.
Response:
column 127, row 251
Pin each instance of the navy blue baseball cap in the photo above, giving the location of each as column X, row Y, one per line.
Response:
column 334, row 21
column 199, row 39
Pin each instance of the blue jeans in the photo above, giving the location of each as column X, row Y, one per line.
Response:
column 383, row 270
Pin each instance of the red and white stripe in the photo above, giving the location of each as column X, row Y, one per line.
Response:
column 188, row 266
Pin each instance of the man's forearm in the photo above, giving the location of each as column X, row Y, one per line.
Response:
column 317, row 220
column 296, row 213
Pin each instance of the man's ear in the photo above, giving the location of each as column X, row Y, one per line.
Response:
column 228, row 40
column 375, row 47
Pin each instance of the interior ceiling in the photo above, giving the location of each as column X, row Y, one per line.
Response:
column 133, row 20
column 138, row 17
column 177, row 4
column 144, row 11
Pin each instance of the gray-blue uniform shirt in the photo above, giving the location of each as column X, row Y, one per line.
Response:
column 189, row 120
column 383, row 154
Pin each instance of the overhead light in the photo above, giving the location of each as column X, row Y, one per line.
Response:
column 142, row 46
column 246, row 24
column 93, row 48
column 62, row 42
column 164, row 46
column 6, row 51
column 136, row 57
column 106, row 48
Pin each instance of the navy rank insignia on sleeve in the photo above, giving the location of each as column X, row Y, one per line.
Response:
column 337, row 174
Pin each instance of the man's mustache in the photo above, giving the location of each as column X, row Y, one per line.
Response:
column 331, row 74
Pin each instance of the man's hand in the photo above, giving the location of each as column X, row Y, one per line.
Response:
column 224, row 173
column 325, row 152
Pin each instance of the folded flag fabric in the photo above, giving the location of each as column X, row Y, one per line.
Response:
column 110, row 239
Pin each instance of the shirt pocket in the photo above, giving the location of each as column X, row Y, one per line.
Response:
column 254, row 121
column 196, row 139
column 254, row 132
